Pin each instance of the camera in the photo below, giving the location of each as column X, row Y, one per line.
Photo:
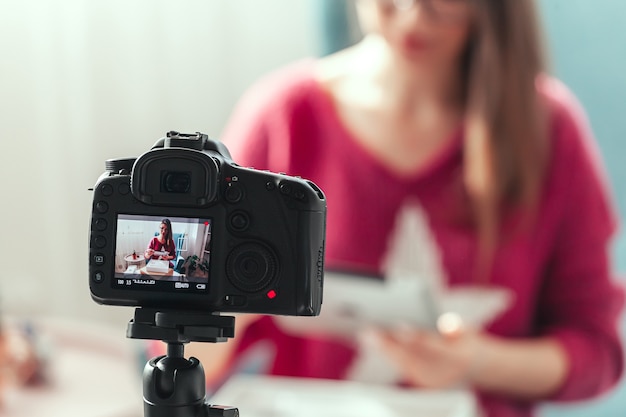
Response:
column 183, row 227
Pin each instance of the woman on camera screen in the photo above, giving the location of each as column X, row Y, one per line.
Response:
column 445, row 106
column 163, row 245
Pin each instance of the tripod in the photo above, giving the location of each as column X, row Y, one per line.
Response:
column 172, row 385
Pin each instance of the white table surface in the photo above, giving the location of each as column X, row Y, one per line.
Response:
column 258, row 396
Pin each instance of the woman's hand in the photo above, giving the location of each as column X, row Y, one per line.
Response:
column 430, row 359
column 528, row 368
column 149, row 253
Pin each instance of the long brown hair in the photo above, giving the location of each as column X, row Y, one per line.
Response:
column 168, row 235
column 506, row 135
column 506, row 146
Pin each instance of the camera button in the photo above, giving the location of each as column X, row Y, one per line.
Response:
column 102, row 207
column 106, row 190
column 123, row 189
column 98, row 277
column 98, row 259
column 101, row 225
column 269, row 186
column 100, row 242
column 234, row 300
column 234, row 194
column 239, row 221
column 285, row 188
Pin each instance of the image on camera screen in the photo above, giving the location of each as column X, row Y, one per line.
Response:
column 162, row 253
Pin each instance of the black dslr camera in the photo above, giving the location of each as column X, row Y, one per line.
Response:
column 240, row 240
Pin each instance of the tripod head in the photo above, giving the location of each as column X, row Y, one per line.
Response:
column 172, row 385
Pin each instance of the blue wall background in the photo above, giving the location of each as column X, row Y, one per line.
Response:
column 587, row 42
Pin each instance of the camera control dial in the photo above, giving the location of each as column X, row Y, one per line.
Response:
column 251, row 267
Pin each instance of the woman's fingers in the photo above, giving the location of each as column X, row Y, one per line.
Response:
column 428, row 358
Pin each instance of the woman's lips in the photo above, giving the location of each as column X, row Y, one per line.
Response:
column 414, row 44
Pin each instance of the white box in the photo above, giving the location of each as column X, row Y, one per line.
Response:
column 158, row 266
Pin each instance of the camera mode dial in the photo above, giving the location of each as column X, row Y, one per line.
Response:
column 120, row 166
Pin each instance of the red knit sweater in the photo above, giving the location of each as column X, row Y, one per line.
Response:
column 559, row 269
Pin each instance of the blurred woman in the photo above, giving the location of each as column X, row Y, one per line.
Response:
column 446, row 104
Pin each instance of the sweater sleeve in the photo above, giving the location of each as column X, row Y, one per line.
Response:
column 581, row 302
column 246, row 133
column 259, row 133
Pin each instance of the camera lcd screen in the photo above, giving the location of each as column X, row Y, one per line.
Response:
column 162, row 253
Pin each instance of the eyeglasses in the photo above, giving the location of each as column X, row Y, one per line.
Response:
column 449, row 10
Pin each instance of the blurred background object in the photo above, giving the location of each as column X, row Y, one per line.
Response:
column 83, row 82
column 82, row 369
column 87, row 81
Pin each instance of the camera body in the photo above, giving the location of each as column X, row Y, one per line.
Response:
column 240, row 239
